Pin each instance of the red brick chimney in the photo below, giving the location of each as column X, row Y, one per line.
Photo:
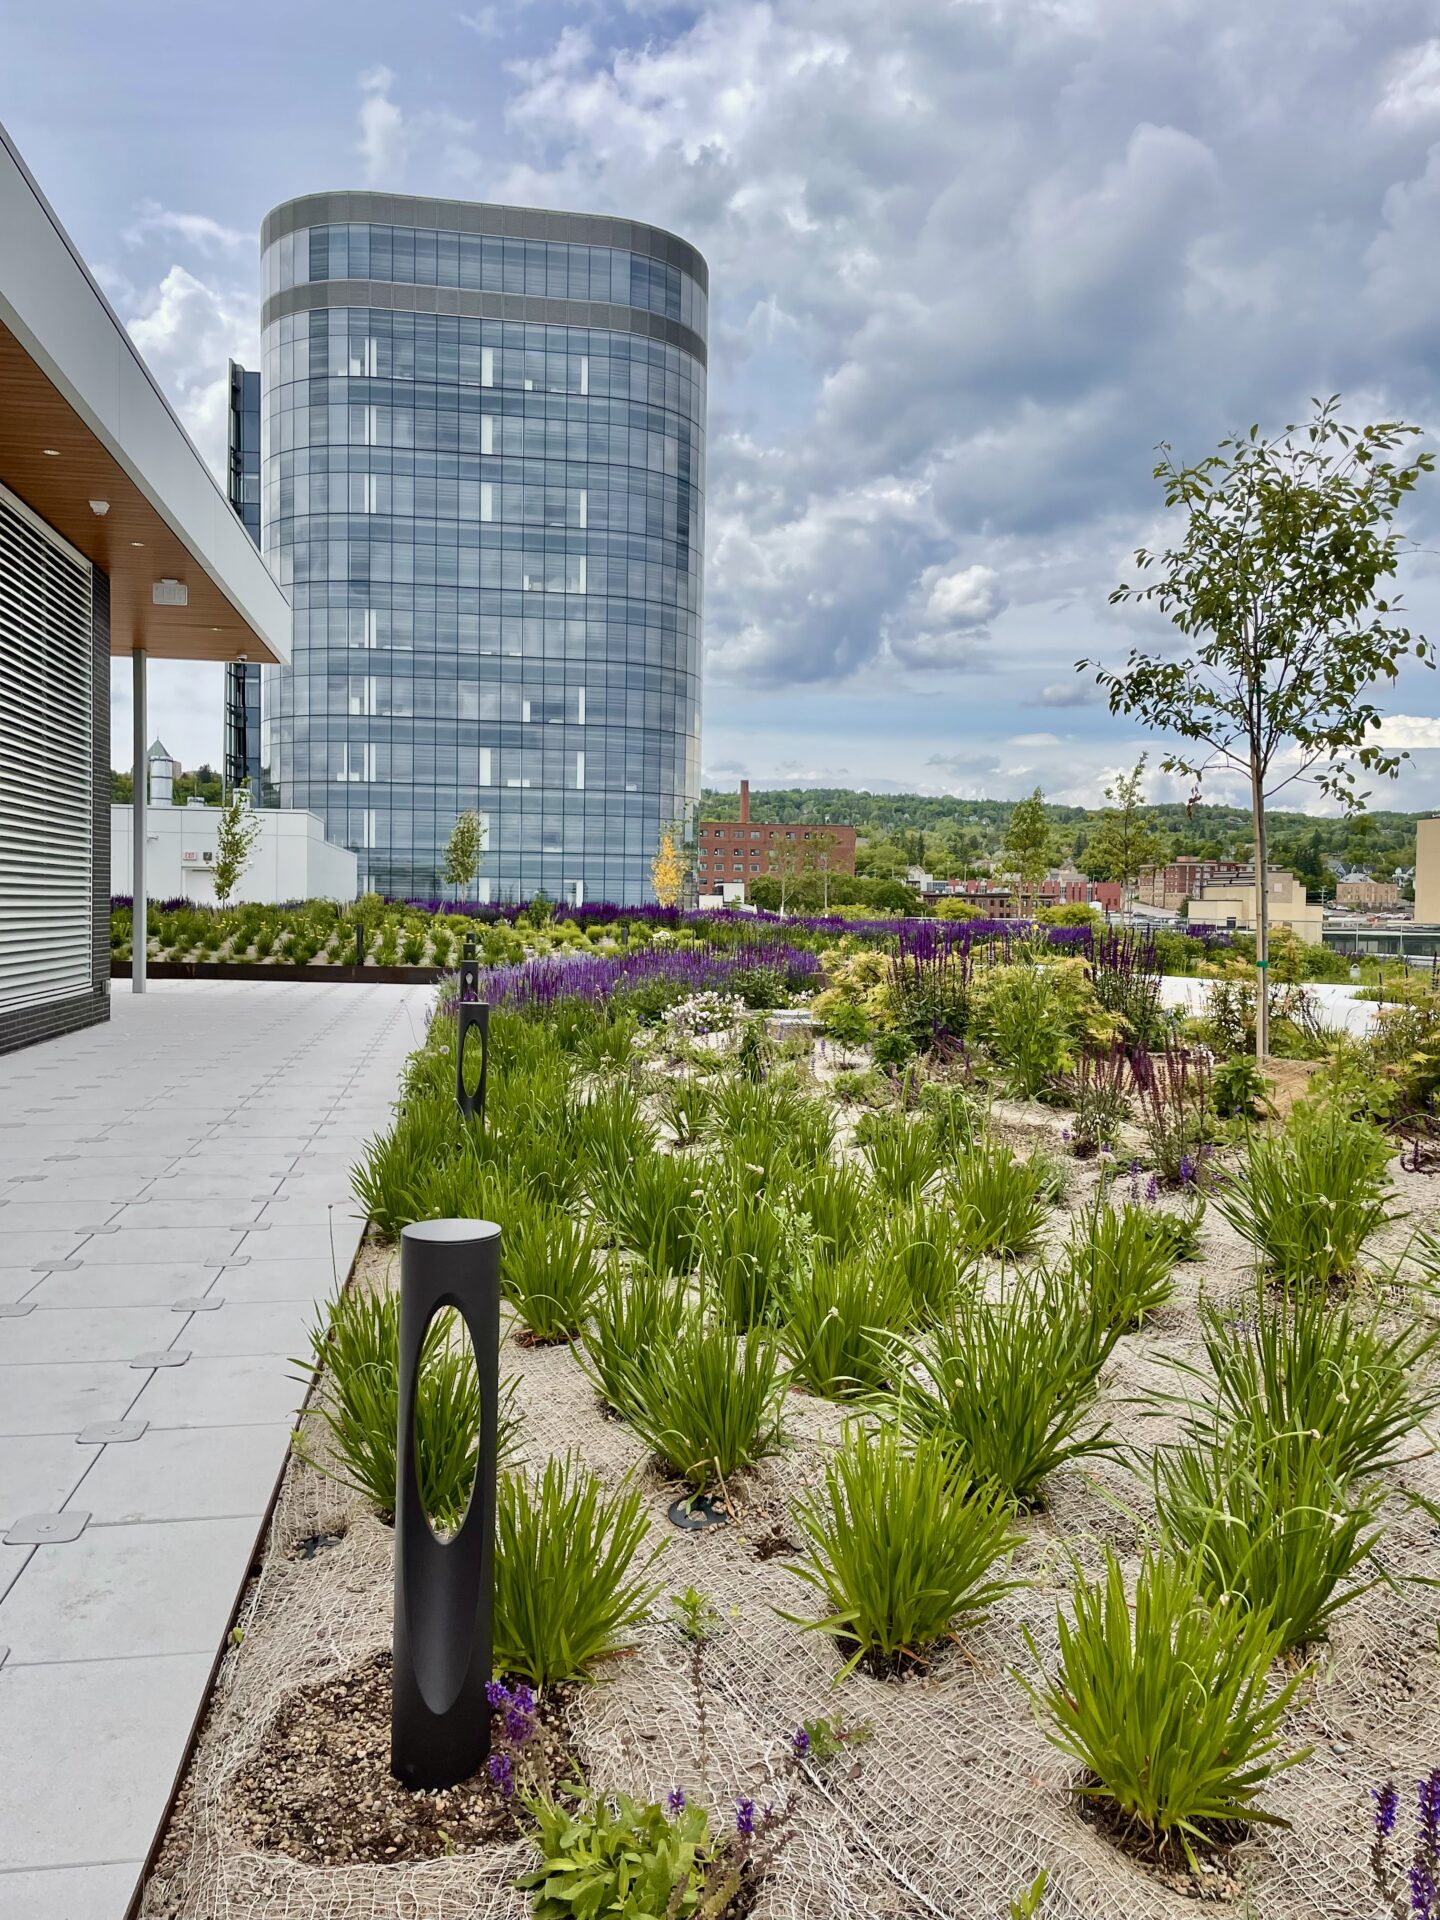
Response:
column 744, row 803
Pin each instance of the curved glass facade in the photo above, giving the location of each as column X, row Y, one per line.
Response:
column 490, row 522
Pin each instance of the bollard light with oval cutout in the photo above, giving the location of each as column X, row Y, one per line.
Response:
column 444, row 1589
column 472, row 1038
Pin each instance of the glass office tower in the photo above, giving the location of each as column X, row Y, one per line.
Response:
column 242, row 485
column 483, row 470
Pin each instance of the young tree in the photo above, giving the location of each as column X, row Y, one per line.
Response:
column 1029, row 844
column 1279, row 582
column 462, row 851
column 1125, row 837
column 235, row 838
column 667, row 869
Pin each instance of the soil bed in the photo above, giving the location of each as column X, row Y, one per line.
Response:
column 320, row 1787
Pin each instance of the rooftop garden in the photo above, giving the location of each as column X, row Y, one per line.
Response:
column 966, row 1450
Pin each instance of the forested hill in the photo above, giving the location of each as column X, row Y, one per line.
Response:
column 926, row 828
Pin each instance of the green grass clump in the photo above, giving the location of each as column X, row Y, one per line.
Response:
column 900, row 1555
column 1168, row 1706
column 1008, row 1386
column 834, row 1319
column 839, row 1204
column 1268, row 1526
column 921, row 1241
column 632, row 1315
column 998, row 1201
column 568, row 1589
column 904, row 1154
column 392, row 1173
column 746, row 1246
column 355, row 1354
column 1309, row 1197
column 653, row 1208
column 1122, row 1262
column 549, row 1269
column 707, row 1402
column 1357, row 1383
column 684, row 1107
column 611, row 1130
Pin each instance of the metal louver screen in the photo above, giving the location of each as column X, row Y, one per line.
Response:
column 46, row 765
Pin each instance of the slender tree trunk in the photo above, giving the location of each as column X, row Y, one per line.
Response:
column 1262, row 914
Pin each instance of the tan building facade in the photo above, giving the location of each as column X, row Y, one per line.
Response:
column 1427, row 872
column 1233, row 895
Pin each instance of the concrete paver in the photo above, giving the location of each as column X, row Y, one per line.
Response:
column 201, row 1102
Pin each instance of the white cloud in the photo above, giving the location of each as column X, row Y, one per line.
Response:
column 187, row 330
column 197, row 230
column 1408, row 732
column 1412, row 86
column 384, row 140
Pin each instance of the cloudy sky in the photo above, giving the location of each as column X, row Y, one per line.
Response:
column 970, row 260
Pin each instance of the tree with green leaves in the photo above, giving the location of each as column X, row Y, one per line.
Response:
column 1029, row 844
column 462, row 851
column 1279, row 582
column 236, row 833
column 1125, row 837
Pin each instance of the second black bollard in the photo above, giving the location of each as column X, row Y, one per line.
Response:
column 440, row 1722
column 473, row 1017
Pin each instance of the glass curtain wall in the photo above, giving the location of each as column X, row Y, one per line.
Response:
column 483, row 474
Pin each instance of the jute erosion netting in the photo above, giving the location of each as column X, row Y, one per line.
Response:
column 958, row 1799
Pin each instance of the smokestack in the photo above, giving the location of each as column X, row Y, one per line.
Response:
column 744, row 803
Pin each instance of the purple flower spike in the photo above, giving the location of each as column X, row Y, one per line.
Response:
column 1387, row 1801
column 745, row 1818
column 1152, row 1190
column 501, row 1769
column 497, row 1695
column 800, row 1741
column 1187, row 1170
column 1423, row 1895
column 518, row 1726
column 675, row 1801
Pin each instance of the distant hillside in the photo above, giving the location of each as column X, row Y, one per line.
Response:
column 938, row 832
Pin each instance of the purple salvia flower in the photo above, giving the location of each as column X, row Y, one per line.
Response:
column 501, row 1769
column 1428, row 1811
column 800, row 1742
column 1422, row 1891
column 497, row 1695
column 1187, row 1171
column 675, row 1802
column 524, row 1699
column 518, row 1726
column 1387, row 1801
column 745, row 1819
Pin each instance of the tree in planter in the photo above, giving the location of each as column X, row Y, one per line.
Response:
column 1279, row 580
column 235, row 837
column 462, row 852
column 667, row 869
column 1126, row 837
column 1029, row 844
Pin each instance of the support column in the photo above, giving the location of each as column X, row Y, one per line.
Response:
column 140, row 917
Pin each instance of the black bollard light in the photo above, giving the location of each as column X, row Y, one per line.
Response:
column 359, row 943
column 474, row 1017
column 440, row 1721
column 469, row 970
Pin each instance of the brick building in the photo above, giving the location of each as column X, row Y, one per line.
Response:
column 1168, row 887
column 728, row 851
column 1370, row 896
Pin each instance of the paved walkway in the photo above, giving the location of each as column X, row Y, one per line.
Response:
column 174, row 1201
